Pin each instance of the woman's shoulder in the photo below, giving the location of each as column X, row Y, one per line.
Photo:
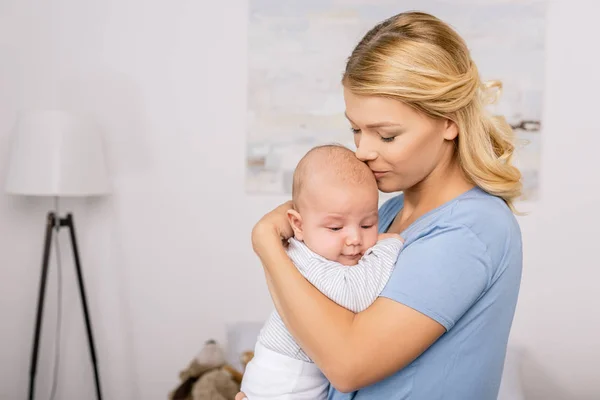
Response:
column 484, row 214
column 478, row 215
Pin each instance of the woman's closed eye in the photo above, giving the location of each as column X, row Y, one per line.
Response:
column 389, row 136
column 385, row 139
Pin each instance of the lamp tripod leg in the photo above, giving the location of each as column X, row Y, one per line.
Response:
column 50, row 225
column 70, row 223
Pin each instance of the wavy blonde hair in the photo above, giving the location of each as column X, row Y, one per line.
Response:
column 421, row 61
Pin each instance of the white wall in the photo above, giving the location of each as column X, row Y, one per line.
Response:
column 168, row 81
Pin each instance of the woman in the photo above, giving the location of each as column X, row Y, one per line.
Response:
column 440, row 327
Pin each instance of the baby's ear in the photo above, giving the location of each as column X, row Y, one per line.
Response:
column 296, row 222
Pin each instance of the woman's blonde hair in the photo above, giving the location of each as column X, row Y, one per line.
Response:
column 421, row 61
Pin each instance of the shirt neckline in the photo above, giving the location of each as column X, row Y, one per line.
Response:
column 400, row 204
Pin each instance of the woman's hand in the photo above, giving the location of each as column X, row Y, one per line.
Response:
column 240, row 396
column 274, row 224
column 390, row 235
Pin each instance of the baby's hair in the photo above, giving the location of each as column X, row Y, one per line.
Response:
column 336, row 161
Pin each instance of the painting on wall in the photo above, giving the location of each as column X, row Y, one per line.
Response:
column 297, row 52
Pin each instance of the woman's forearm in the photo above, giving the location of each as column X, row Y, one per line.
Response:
column 321, row 327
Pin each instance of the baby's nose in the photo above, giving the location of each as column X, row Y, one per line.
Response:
column 353, row 239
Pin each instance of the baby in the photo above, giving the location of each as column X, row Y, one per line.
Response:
column 336, row 247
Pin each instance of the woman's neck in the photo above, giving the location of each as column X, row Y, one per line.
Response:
column 444, row 184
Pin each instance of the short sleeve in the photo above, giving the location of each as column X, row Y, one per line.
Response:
column 441, row 274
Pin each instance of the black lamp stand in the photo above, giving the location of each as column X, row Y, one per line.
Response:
column 55, row 223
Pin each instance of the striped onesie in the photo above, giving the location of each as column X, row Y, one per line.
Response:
column 279, row 361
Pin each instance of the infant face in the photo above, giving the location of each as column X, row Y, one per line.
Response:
column 338, row 223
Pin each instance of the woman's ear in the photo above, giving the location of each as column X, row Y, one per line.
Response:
column 296, row 222
column 450, row 130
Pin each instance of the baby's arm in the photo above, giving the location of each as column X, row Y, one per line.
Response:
column 355, row 287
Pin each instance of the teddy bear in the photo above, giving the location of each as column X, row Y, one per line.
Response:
column 209, row 377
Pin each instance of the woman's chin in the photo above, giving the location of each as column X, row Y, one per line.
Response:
column 385, row 187
column 393, row 183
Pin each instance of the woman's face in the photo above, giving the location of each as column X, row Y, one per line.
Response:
column 401, row 145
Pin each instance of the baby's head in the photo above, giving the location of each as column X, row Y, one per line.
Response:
column 335, row 200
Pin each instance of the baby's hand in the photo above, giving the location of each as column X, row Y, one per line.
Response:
column 390, row 235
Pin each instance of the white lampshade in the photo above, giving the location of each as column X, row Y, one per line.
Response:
column 56, row 153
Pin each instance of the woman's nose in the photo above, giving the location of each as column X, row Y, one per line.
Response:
column 365, row 151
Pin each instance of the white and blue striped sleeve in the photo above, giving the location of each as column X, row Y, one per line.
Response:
column 353, row 287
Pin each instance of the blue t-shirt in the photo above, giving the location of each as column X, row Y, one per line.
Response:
column 460, row 265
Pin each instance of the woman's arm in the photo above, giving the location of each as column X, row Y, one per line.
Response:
column 352, row 350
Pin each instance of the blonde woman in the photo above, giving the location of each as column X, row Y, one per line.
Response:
column 415, row 104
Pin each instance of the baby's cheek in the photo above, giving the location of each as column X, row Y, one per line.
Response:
column 370, row 239
column 326, row 244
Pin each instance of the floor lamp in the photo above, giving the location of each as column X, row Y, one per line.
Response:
column 57, row 154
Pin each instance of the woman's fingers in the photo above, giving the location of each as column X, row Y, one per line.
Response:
column 275, row 222
column 390, row 235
